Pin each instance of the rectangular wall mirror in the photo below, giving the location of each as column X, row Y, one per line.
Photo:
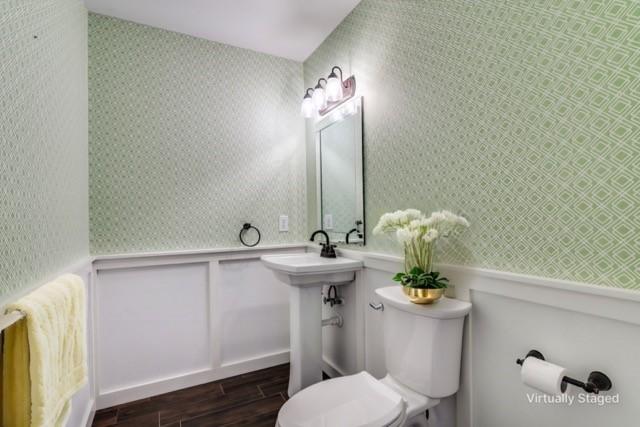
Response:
column 340, row 188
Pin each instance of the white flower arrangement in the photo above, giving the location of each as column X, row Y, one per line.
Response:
column 418, row 235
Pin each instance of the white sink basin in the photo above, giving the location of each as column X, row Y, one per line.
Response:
column 310, row 269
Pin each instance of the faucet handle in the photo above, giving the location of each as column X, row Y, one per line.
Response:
column 330, row 251
column 323, row 251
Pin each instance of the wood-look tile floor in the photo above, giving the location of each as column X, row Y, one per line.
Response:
column 251, row 399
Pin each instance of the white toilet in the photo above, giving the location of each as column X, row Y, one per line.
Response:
column 423, row 346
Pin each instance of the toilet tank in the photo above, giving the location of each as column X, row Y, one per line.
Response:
column 423, row 343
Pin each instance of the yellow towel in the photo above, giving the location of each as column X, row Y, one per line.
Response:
column 44, row 361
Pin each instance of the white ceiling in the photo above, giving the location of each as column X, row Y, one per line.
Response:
column 289, row 28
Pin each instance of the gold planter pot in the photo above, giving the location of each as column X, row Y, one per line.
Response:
column 423, row 296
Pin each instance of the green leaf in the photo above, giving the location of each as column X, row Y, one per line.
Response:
column 398, row 277
column 416, row 271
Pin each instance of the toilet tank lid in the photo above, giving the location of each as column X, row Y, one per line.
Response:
column 445, row 308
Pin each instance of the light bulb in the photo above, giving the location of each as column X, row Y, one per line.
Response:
column 307, row 109
column 334, row 88
column 319, row 99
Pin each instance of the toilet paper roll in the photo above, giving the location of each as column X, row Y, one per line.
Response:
column 543, row 376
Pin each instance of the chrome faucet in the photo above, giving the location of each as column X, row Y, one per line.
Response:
column 328, row 250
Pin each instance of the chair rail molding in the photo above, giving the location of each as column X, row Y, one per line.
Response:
column 542, row 290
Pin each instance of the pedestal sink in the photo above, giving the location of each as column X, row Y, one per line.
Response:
column 305, row 274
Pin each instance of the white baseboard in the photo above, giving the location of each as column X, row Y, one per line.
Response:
column 330, row 369
column 165, row 385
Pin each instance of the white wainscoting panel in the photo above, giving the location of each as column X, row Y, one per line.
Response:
column 339, row 348
column 374, row 338
column 253, row 311
column 172, row 320
column 505, row 328
column 152, row 324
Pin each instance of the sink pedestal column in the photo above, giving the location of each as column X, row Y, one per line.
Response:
column 305, row 322
column 305, row 273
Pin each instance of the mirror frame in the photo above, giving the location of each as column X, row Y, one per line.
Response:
column 353, row 107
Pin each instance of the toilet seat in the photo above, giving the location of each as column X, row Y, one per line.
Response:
column 352, row 401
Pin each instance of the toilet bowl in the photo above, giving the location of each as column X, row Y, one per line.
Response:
column 356, row 401
column 426, row 369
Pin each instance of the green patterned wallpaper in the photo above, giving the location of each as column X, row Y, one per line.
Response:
column 522, row 115
column 43, row 140
column 189, row 139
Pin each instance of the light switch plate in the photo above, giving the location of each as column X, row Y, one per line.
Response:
column 328, row 222
column 283, row 223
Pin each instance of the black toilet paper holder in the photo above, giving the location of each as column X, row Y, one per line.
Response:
column 596, row 382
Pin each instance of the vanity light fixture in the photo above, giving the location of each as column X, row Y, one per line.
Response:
column 334, row 85
column 319, row 100
column 325, row 98
column 307, row 109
